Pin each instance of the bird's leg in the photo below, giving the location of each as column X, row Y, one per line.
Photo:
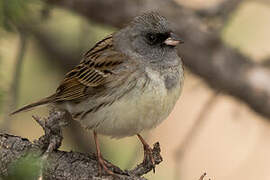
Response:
column 102, row 163
column 148, row 152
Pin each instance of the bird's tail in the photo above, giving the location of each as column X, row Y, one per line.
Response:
column 32, row 105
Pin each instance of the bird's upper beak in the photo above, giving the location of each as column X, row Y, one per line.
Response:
column 173, row 40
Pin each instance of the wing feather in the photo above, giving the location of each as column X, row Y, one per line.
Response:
column 94, row 70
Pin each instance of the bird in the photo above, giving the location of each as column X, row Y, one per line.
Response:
column 126, row 83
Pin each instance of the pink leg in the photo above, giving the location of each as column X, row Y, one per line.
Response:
column 101, row 161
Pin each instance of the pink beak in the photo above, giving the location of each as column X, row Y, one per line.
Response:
column 173, row 40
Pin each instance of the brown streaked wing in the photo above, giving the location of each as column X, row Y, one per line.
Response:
column 70, row 90
column 95, row 69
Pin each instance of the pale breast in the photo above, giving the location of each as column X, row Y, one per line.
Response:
column 144, row 107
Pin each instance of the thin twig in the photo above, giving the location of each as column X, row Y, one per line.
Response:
column 202, row 176
column 195, row 129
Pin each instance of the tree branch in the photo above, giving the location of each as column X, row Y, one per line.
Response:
column 204, row 52
column 221, row 10
column 61, row 164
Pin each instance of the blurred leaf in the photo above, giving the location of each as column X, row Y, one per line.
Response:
column 26, row 168
column 14, row 12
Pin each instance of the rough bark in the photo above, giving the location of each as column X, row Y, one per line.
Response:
column 60, row 164
column 204, row 53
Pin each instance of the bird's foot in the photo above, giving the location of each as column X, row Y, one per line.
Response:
column 148, row 153
column 148, row 156
column 104, row 165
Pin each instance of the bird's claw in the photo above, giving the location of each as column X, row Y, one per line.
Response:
column 103, row 164
column 148, row 155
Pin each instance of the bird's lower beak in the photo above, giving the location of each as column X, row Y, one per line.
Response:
column 173, row 40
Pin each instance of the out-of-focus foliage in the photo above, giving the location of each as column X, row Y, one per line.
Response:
column 14, row 12
column 26, row 168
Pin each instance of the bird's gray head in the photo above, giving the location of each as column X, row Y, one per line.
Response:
column 150, row 37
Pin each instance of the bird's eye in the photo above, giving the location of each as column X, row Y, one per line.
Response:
column 151, row 38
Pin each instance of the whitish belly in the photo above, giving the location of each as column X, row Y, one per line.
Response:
column 138, row 110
